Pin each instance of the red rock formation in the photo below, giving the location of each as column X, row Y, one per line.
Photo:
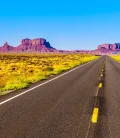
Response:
column 29, row 45
column 6, row 48
column 41, row 45
column 112, row 47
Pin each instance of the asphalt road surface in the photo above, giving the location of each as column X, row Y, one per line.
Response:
column 83, row 103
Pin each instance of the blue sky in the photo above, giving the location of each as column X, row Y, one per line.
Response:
column 66, row 24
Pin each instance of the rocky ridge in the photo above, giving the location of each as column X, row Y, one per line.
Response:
column 26, row 45
column 110, row 47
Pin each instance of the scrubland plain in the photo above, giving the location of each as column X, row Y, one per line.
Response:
column 18, row 71
column 116, row 57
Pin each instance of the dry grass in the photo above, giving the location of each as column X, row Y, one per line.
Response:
column 18, row 71
column 116, row 57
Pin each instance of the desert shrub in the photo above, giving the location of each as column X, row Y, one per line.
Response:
column 2, row 83
column 48, row 68
column 13, row 68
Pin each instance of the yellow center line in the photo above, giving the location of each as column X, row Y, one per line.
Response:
column 101, row 75
column 95, row 115
column 100, row 85
column 102, row 70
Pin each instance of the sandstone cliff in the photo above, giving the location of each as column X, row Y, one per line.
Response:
column 39, row 44
column 112, row 47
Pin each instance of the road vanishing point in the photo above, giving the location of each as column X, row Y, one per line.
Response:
column 83, row 102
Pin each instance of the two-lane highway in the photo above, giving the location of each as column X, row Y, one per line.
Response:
column 63, row 107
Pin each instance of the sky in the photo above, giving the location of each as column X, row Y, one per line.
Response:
column 66, row 24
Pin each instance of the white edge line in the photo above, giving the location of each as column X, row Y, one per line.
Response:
column 44, row 83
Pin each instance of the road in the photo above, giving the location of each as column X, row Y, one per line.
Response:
column 83, row 103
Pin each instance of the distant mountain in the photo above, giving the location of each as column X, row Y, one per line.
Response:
column 109, row 47
column 28, row 45
column 41, row 45
column 104, row 49
column 6, row 48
